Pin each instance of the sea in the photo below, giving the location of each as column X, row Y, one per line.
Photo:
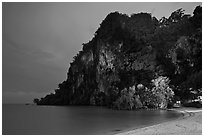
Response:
column 77, row 120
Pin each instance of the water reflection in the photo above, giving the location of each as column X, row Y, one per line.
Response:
column 21, row 119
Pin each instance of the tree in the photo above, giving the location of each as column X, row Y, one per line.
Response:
column 160, row 95
column 36, row 101
column 128, row 99
column 197, row 17
column 176, row 15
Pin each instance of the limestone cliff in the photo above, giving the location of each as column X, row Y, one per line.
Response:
column 125, row 51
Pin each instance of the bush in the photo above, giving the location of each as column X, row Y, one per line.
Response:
column 159, row 96
column 36, row 101
column 128, row 100
column 112, row 95
column 196, row 104
column 98, row 99
column 191, row 88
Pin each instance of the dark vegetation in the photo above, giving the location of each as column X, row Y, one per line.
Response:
column 136, row 62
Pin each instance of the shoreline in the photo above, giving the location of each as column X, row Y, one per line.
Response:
column 188, row 124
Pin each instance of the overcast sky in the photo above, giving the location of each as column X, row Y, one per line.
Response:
column 39, row 41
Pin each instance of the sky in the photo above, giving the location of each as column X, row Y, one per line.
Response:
column 39, row 40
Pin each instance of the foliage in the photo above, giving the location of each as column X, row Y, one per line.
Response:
column 97, row 99
column 128, row 99
column 160, row 95
column 192, row 87
column 36, row 101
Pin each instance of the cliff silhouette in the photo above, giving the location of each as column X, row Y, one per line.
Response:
column 135, row 62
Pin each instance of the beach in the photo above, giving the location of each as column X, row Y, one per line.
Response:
column 189, row 124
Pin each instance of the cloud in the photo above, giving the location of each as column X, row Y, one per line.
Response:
column 27, row 50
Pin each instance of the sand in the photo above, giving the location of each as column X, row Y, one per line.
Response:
column 189, row 124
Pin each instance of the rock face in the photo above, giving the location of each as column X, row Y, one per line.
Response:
column 122, row 54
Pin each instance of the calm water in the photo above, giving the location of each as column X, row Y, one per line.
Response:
column 37, row 120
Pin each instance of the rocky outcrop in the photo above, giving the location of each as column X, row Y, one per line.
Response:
column 125, row 51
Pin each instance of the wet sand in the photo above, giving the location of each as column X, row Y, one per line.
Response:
column 189, row 124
